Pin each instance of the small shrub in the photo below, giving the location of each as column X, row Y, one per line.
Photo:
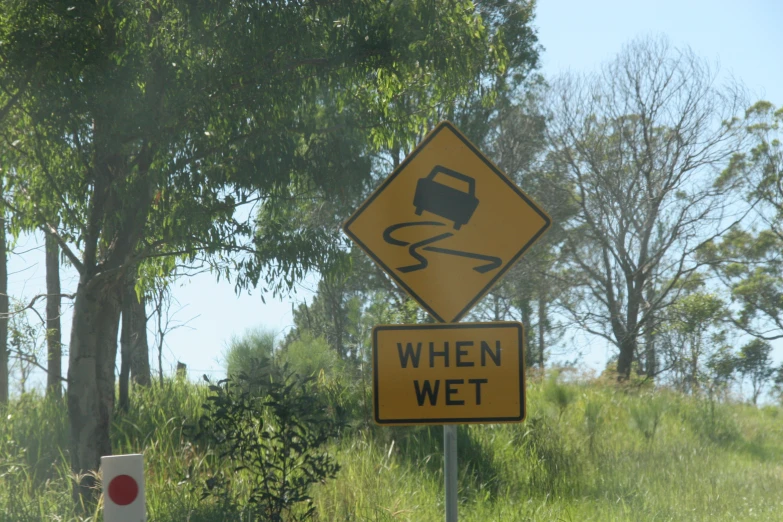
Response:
column 39, row 427
column 340, row 383
column 647, row 416
column 558, row 394
column 557, row 467
column 310, row 355
column 269, row 435
column 636, row 382
column 711, row 422
column 257, row 344
column 593, row 422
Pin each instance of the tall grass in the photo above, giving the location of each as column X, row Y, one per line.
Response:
column 594, row 456
column 589, row 457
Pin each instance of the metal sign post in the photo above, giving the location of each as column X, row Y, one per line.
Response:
column 450, row 470
column 449, row 373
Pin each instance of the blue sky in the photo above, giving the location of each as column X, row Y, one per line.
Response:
column 743, row 38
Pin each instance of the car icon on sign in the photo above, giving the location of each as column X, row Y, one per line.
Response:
column 445, row 201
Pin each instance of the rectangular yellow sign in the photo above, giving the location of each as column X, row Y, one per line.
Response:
column 449, row 373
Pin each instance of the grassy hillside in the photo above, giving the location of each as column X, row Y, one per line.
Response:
column 587, row 452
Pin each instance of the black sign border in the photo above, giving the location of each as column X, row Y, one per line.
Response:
column 390, row 271
column 451, row 420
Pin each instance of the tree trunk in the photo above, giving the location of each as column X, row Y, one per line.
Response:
column 694, row 369
column 651, row 360
column 134, row 350
column 542, row 319
column 91, row 356
column 625, row 359
column 524, row 312
column 629, row 338
column 650, row 355
column 53, row 331
column 160, row 336
column 125, row 356
column 3, row 307
column 140, row 349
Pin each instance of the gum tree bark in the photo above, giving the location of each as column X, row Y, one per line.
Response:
column 140, row 371
column 134, row 350
column 542, row 323
column 123, row 403
column 4, row 384
column 93, row 349
column 53, row 330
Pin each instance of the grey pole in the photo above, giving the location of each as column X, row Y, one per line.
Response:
column 450, row 470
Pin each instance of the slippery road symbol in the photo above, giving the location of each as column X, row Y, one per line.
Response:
column 444, row 236
column 447, row 202
column 413, row 249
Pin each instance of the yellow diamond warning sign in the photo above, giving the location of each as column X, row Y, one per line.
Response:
column 447, row 224
column 448, row 373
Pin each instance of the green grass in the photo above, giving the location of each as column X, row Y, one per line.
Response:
column 595, row 457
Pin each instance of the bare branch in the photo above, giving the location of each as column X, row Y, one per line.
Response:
column 641, row 143
column 31, row 305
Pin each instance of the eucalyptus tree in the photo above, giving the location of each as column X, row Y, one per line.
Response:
column 9, row 98
column 53, row 310
column 538, row 279
column 748, row 259
column 530, row 290
column 690, row 334
column 755, row 364
column 641, row 142
column 501, row 104
column 134, row 348
column 504, row 95
column 146, row 125
column 4, row 308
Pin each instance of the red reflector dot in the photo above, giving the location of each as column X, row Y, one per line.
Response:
column 123, row 490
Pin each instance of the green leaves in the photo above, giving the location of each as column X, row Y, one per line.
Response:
column 159, row 133
column 269, row 428
column 695, row 312
column 754, row 363
column 750, row 266
column 748, row 261
column 141, row 119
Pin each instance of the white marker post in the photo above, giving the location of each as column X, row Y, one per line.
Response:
column 123, row 488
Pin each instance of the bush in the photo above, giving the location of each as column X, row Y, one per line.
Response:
column 310, row 355
column 557, row 467
column 647, row 416
column 711, row 422
column 269, row 434
column 257, row 344
column 593, row 422
column 558, row 394
column 33, row 429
